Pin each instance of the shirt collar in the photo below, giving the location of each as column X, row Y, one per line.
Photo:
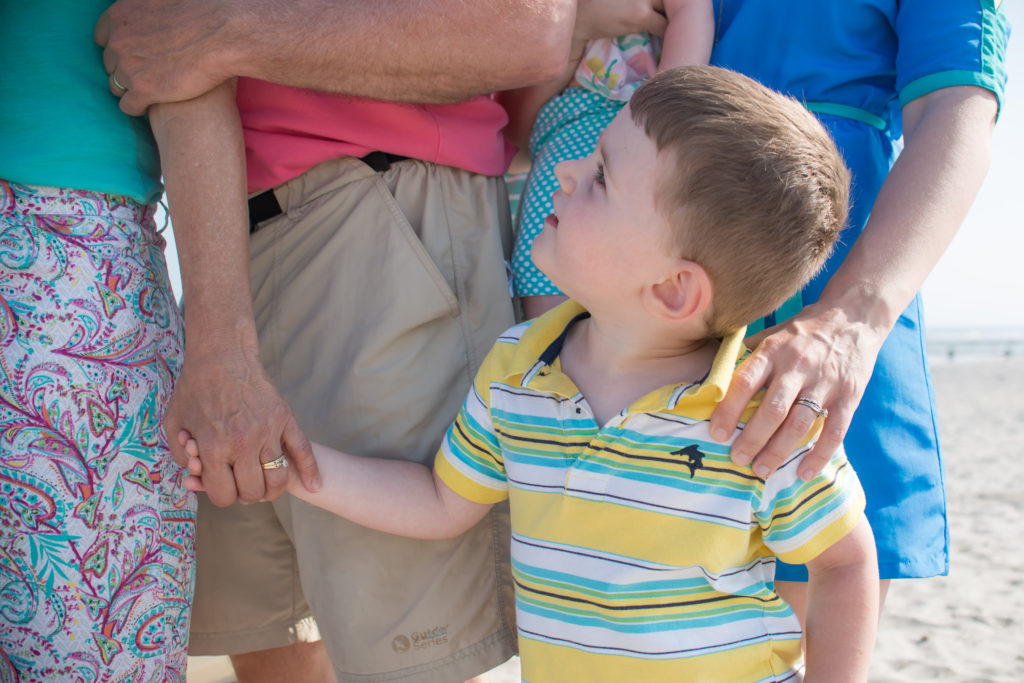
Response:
column 698, row 399
column 542, row 342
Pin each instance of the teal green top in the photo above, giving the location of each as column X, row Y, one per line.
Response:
column 59, row 124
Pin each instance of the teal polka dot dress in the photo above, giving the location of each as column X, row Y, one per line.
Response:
column 567, row 127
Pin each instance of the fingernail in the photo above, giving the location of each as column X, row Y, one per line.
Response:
column 318, row 483
column 761, row 471
column 719, row 434
column 806, row 475
column 741, row 459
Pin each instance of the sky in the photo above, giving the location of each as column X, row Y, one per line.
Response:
column 979, row 282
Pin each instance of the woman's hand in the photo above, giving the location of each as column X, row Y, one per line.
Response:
column 828, row 351
column 239, row 421
column 223, row 396
column 822, row 355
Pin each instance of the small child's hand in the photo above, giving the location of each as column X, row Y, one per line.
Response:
column 193, row 482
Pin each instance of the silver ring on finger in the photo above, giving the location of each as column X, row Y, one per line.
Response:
column 277, row 463
column 113, row 79
column 813, row 405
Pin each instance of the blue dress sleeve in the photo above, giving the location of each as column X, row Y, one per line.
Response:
column 944, row 43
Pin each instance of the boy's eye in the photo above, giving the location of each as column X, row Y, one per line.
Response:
column 599, row 174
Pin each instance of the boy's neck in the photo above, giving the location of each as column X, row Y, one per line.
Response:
column 613, row 365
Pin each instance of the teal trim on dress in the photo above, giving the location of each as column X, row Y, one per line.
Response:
column 847, row 112
column 948, row 79
column 755, row 327
column 995, row 31
column 789, row 308
column 995, row 34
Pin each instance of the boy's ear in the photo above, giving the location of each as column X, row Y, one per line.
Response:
column 684, row 293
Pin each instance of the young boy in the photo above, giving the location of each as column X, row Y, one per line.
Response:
column 639, row 551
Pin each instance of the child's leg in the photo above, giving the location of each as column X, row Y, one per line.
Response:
column 567, row 127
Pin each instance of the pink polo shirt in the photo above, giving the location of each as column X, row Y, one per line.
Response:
column 289, row 130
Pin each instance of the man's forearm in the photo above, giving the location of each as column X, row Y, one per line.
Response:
column 424, row 51
column 402, row 50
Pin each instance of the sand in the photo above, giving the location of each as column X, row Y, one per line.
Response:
column 968, row 626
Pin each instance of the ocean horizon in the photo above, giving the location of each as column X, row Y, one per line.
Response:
column 961, row 343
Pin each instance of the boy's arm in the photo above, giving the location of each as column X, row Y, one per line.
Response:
column 842, row 609
column 393, row 496
column 223, row 395
column 690, row 33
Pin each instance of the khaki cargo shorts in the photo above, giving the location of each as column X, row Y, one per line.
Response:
column 377, row 296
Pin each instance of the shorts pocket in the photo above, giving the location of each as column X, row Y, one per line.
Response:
column 356, row 321
column 400, row 224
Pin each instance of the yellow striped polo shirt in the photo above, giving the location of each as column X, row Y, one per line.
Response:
column 639, row 551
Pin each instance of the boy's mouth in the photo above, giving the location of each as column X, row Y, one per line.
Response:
column 551, row 221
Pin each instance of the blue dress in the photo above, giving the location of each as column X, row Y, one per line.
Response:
column 855, row 63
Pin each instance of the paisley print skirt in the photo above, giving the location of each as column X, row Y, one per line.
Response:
column 96, row 530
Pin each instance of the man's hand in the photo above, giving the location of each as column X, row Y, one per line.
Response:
column 173, row 50
column 239, row 422
column 164, row 51
column 818, row 355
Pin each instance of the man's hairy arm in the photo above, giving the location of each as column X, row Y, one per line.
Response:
column 402, row 50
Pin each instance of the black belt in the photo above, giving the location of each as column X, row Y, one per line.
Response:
column 264, row 206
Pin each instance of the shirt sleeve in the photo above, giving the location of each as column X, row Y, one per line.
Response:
column 944, row 43
column 799, row 519
column 469, row 460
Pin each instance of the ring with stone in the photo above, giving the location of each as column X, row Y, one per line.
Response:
column 276, row 463
column 813, row 405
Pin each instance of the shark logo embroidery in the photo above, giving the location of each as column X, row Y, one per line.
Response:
column 692, row 458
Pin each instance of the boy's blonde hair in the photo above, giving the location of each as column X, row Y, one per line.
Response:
column 757, row 194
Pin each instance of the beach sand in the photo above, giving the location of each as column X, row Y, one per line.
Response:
column 968, row 626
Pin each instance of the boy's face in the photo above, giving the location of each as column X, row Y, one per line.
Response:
column 606, row 238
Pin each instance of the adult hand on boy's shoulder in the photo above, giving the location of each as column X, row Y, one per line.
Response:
column 818, row 355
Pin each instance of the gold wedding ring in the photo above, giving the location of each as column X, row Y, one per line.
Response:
column 277, row 463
